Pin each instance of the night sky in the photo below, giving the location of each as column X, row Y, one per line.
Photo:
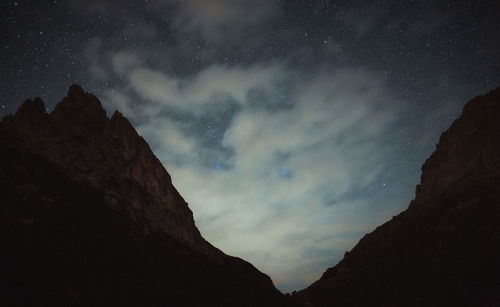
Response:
column 292, row 128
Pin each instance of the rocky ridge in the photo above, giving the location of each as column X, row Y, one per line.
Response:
column 110, row 155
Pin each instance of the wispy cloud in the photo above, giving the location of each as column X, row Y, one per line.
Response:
column 218, row 19
column 92, row 54
column 292, row 194
column 195, row 94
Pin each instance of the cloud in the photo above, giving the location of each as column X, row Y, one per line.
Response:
column 178, row 147
column 91, row 53
column 211, row 20
column 292, row 196
column 116, row 100
column 329, row 145
column 123, row 61
column 195, row 94
column 373, row 16
column 218, row 19
column 154, row 85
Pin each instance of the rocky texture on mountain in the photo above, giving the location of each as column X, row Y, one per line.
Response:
column 444, row 250
column 89, row 216
column 109, row 155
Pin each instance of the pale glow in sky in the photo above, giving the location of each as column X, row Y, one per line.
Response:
column 303, row 178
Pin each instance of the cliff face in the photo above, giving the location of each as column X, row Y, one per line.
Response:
column 443, row 250
column 109, row 155
column 90, row 217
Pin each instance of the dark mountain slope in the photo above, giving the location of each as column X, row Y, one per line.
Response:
column 110, row 155
column 444, row 250
column 90, row 217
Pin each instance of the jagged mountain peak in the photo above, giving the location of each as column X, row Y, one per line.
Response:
column 81, row 111
column 109, row 154
column 31, row 106
column 75, row 90
column 30, row 116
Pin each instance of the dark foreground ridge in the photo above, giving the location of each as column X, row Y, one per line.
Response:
column 89, row 217
column 444, row 250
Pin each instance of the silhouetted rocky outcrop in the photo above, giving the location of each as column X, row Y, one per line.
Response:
column 444, row 250
column 108, row 154
column 89, row 216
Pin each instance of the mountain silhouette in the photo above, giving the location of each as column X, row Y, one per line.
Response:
column 90, row 217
